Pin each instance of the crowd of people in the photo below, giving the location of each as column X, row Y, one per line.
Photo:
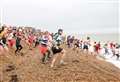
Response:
column 46, row 42
column 94, row 47
column 50, row 43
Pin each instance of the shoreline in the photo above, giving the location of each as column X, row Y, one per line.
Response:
column 113, row 61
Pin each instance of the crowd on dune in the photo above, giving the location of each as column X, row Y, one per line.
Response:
column 50, row 43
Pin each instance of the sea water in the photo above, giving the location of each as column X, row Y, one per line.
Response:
column 110, row 58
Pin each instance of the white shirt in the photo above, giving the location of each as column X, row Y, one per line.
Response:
column 117, row 51
column 10, row 36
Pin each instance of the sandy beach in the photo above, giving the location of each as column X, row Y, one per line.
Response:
column 80, row 67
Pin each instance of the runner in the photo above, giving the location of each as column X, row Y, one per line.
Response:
column 71, row 41
column 30, row 40
column 1, row 43
column 10, row 39
column 91, row 49
column 86, row 45
column 56, row 49
column 3, row 40
column 81, row 44
column 117, row 52
column 36, row 41
column 18, row 44
column 97, row 48
column 45, row 46
column 77, row 45
column 68, row 41
column 106, row 49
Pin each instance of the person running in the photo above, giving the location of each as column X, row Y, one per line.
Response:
column 56, row 48
column 68, row 41
column 10, row 39
column 97, row 48
column 18, row 44
column 30, row 40
column 3, row 41
column 72, row 39
column 36, row 42
column 105, row 47
column 48, row 35
column 116, row 52
column 91, row 48
column 86, row 45
column 45, row 47
column 77, row 45
column 3, row 45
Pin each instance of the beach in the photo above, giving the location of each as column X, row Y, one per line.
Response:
column 59, row 41
column 80, row 67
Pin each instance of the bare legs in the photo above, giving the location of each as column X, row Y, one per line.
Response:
column 62, row 54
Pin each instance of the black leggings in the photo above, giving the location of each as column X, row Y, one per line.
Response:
column 19, row 48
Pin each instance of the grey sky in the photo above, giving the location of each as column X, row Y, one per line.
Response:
column 75, row 16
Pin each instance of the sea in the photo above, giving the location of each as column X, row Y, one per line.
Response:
column 111, row 59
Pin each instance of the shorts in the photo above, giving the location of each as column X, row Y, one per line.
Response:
column 77, row 45
column 43, row 49
column 56, row 50
column 117, row 55
column 85, row 47
column 11, row 42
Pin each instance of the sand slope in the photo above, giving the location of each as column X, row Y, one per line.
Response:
column 80, row 67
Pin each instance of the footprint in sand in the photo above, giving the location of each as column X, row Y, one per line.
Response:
column 10, row 68
column 14, row 78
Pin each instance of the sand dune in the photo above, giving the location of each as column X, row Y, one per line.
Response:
column 80, row 67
